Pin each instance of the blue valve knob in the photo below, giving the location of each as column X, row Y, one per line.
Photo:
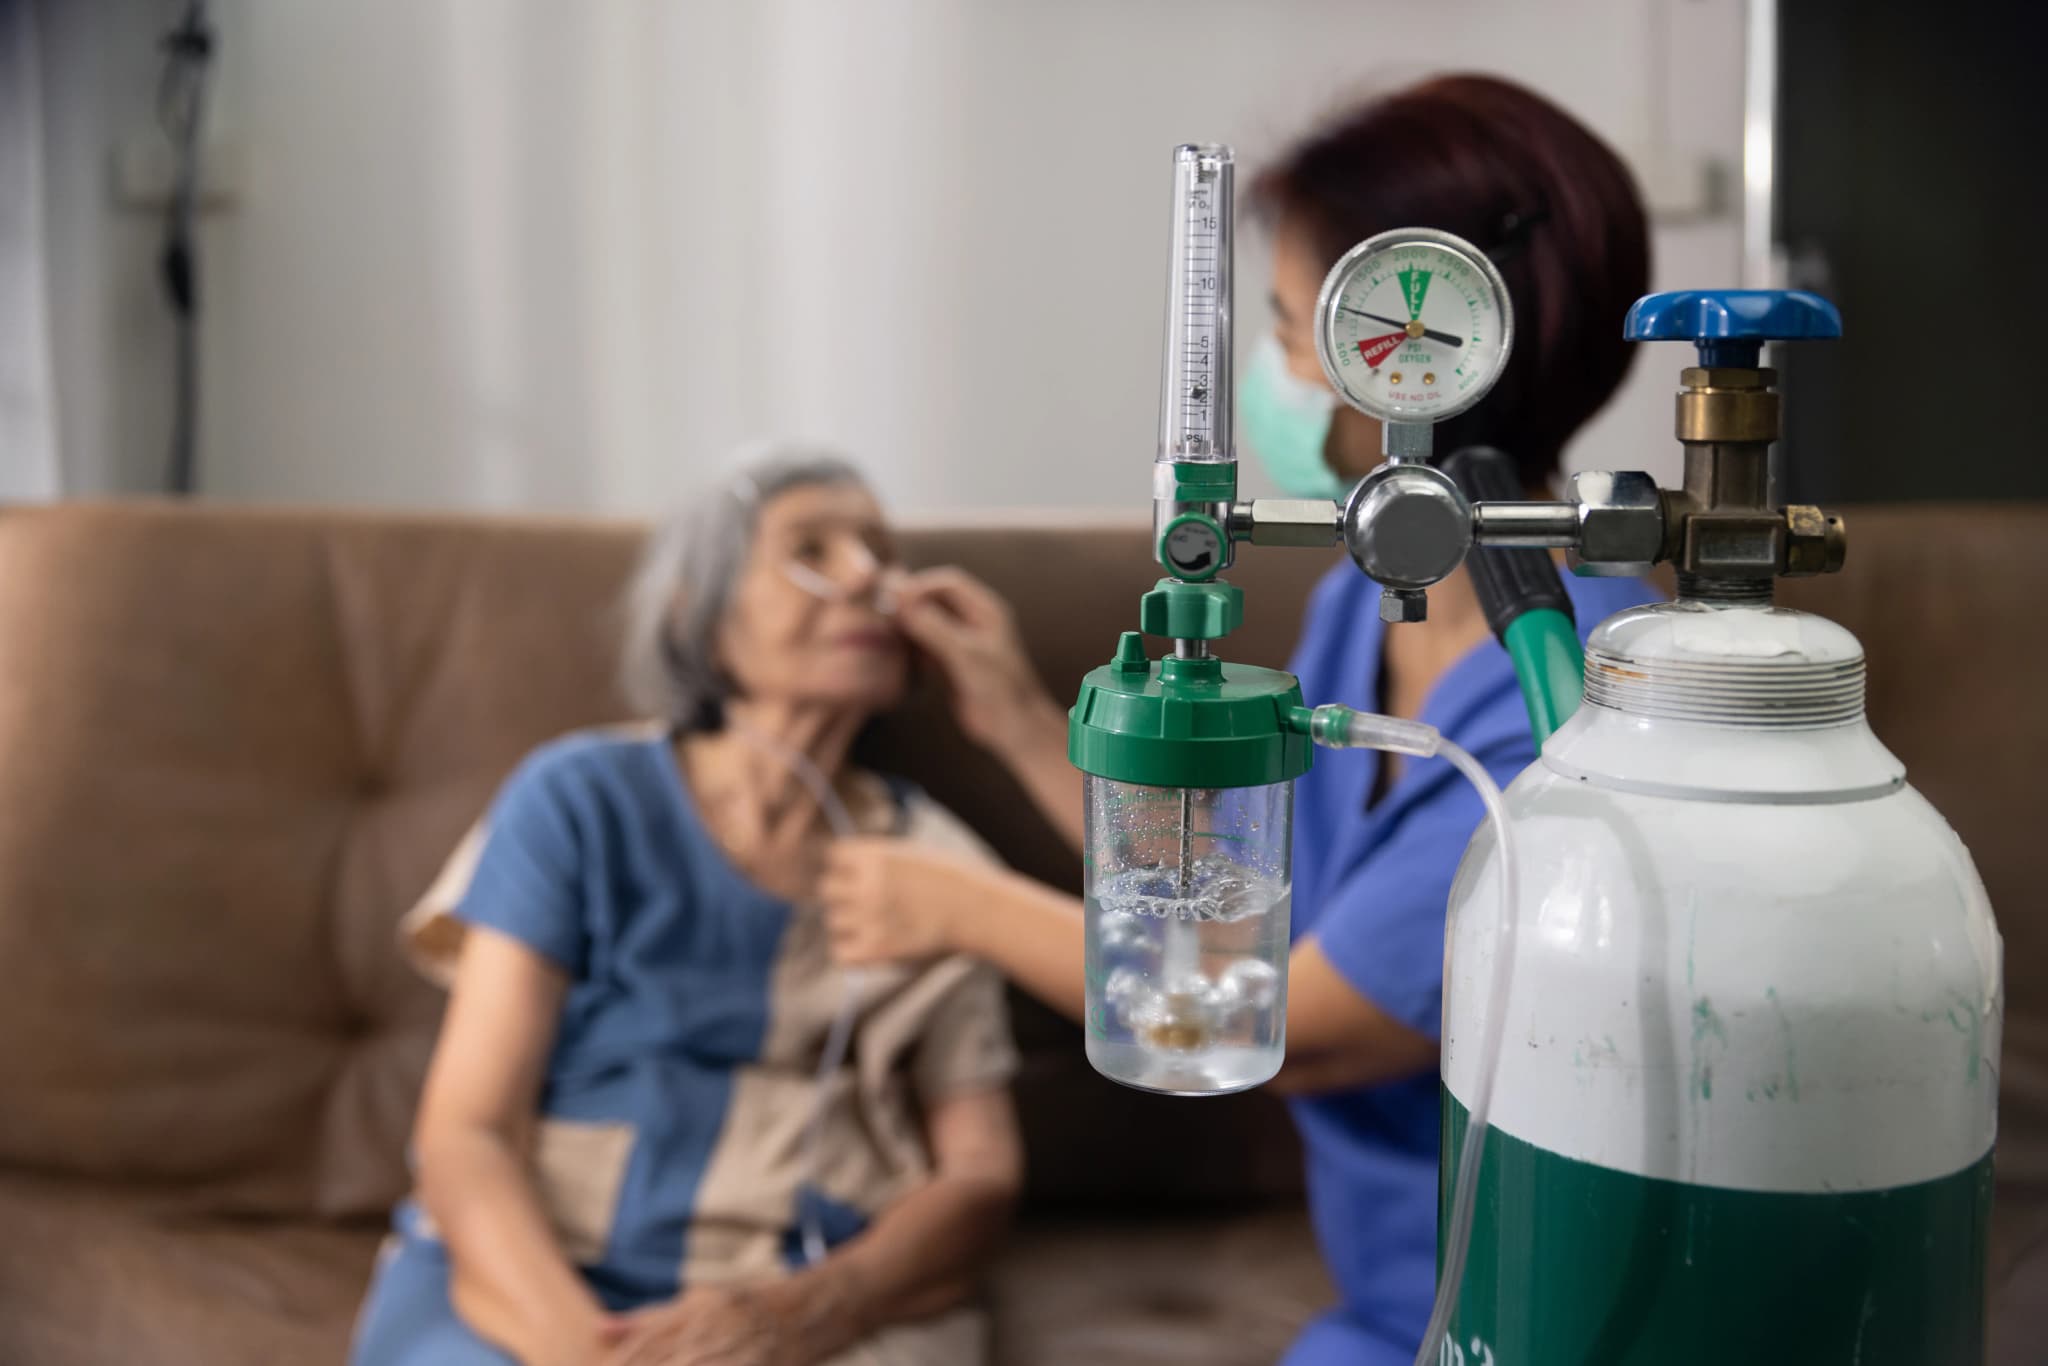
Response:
column 1730, row 326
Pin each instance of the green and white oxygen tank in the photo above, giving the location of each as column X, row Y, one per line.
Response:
column 1748, row 1095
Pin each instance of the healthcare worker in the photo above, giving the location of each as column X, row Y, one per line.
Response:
column 1377, row 837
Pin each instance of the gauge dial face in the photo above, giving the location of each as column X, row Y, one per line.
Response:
column 1193, row 548
column 1413, row 325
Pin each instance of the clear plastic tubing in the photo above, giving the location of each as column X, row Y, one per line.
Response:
column 840, row 1037
column 1194, row 396
column 825, row 588
column 1343, row 728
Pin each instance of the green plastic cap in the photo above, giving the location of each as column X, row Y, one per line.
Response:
column 1191, row 611
column 1204, row 481
column 1188, row 723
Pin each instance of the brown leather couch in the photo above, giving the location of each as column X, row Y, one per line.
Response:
column 235, row 745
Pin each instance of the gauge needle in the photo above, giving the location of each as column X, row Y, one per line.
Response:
column 1428, row 332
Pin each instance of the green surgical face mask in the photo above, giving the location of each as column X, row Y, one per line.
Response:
column 1286, row 421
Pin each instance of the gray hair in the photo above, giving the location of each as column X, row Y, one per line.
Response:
column 683, row 586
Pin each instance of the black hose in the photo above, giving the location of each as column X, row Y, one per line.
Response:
column 180, row 107
column 1508, row 582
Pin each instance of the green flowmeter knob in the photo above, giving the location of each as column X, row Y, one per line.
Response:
column 1187, row 723
column 1191, row 611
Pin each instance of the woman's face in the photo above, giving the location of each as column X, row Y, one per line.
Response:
column 1353, row 447
column 805, row 625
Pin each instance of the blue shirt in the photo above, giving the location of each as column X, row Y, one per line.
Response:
column 597, row 860
column 671, row 1137
column 1371, row 885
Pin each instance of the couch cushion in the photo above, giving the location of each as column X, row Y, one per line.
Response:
column 89, row 1277
column 236, row 745
column 1162, row 1292
column 86, row 1278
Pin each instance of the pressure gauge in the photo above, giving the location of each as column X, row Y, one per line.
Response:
column 1413, row 325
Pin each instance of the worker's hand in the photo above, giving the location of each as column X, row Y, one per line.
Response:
column 709, row 1326
column 967, row 628
column 887, row 899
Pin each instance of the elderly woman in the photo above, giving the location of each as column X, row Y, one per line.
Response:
column 627, row 1151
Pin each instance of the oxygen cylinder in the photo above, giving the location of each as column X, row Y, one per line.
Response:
column 1748, row 1098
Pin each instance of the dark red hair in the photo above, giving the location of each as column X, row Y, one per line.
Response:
column 1527, row 183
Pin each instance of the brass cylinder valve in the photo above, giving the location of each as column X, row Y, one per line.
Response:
column 1721, row 529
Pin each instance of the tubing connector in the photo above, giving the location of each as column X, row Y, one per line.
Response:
column 1334, row 726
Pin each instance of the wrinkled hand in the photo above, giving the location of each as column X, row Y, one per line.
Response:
column 967, row 628
column 708, row 1326
column 887, row 899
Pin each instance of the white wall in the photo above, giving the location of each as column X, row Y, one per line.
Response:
column 110, row 335
column 28, row 406
column 494, row 254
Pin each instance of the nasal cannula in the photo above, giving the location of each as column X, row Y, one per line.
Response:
column 854, row 981
column 827, row 589
column 839, row 1037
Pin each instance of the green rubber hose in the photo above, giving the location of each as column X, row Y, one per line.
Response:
column 1549, row 665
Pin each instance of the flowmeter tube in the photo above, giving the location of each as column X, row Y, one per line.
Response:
column 1194, row 477
column 1194, row 400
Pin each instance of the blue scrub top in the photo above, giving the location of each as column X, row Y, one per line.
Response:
column 1371, row 886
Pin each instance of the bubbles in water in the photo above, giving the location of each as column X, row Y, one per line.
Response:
column 1249, row 983
column 1123, row 990
column 1187, row 934
column 1192, row 989
column 1123, row 932
column 1219, row 890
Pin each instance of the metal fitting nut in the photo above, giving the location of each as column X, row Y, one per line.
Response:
column 1621, row 523
column 1727, row 415
column 1727, row 377
column 1309, row 522
column 1740, row 543
column 1403, row 604
column 1815, row 543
